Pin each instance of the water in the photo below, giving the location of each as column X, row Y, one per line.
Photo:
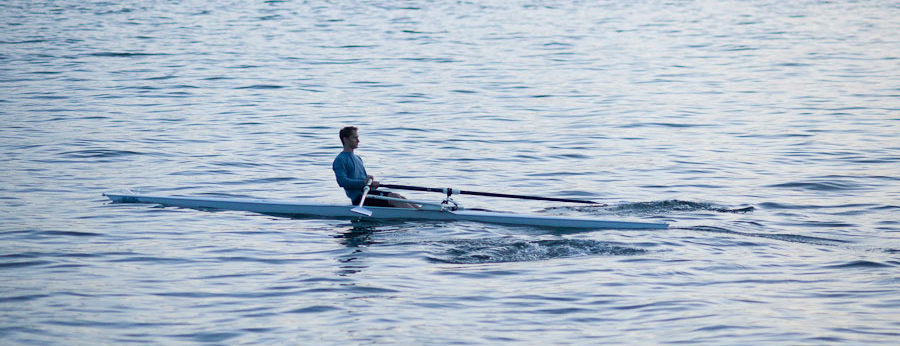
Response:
column 764, row 132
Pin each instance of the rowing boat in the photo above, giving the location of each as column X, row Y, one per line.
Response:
column 439, row 213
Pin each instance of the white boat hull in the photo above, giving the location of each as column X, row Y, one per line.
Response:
column 339, row 211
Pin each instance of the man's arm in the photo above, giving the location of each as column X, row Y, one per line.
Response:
column 343, row 177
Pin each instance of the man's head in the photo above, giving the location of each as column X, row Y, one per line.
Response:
column 349, row 137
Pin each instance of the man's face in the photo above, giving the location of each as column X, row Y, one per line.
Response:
column 352, row 141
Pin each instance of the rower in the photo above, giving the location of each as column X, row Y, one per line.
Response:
column 351, row 174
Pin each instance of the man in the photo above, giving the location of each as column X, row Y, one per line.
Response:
column 351, row 174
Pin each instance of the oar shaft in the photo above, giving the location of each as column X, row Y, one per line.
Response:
column 365, row 194
column 488, row 194
column 360, row 209
column 537, row 198
column 412, row 188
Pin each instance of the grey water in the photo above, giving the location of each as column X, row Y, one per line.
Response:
column 764, row 132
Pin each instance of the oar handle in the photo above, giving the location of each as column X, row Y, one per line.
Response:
column 488, row 194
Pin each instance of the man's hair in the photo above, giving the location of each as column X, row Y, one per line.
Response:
column 346, row 132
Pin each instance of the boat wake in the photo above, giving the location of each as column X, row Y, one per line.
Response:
column 475, row 251
column 675, row 206
column 793, row 238
column 656, row 207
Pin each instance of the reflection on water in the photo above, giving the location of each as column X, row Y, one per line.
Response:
column 357, row 238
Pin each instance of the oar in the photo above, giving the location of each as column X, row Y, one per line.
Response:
column 359, row 209
column 488, row 194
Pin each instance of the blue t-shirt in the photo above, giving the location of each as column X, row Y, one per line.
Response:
column 350, row 173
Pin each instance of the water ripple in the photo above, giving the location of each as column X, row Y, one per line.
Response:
column 764, row 132
column 512, row 250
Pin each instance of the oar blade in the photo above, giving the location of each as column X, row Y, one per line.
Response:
column 362, row 211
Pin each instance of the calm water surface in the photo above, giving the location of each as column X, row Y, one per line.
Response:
column 764, row 132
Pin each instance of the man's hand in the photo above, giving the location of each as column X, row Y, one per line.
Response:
column 374, row 184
